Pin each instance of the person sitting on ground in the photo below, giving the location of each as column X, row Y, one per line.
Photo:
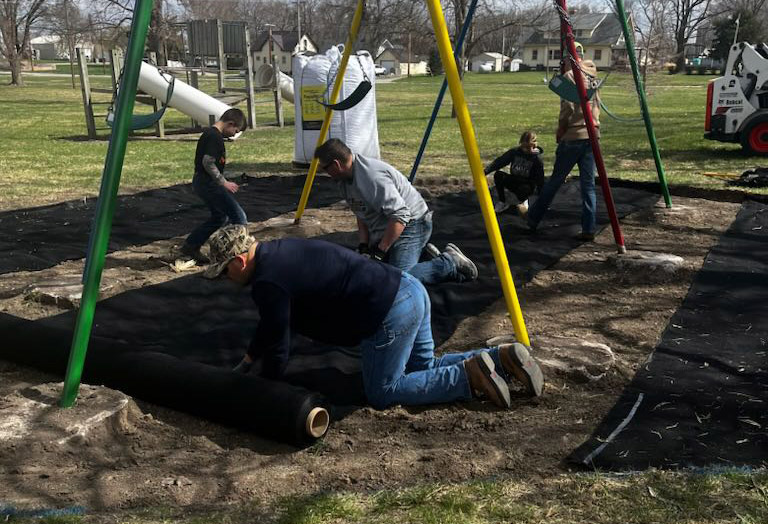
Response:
column 393, row 220
column 210, row 185
column 363, row 302
column 573, row 147
column 526, row 173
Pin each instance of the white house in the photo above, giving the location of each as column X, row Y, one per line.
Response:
column 488, row 62
column 394, row 58
column 285, row 45
column 51, row 47
column 600, row 35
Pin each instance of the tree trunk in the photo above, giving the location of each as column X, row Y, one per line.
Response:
column 15, row 63
column 156, row 35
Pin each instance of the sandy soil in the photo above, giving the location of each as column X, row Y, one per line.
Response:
column 152, row 456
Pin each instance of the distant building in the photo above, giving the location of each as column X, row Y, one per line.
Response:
column 52, row 47
column 488, row 63
column 600, row 35
column 394, row 58
column 285, row 45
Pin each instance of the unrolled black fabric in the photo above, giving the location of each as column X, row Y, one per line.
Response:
column 208, row 323
column 701, row 399
column 38, row 238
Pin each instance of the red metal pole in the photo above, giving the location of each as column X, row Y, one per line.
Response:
column 567, row 30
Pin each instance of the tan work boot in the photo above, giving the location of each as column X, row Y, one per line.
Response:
column 519, row 363
column 483, row 379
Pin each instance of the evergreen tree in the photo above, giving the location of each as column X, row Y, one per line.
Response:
column 750, row 30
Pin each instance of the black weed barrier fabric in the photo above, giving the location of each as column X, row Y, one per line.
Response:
column 39, row 238
column 209, row 323
column 702, row 397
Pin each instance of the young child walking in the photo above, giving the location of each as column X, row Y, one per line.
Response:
column 210, row 185
column 526, row 173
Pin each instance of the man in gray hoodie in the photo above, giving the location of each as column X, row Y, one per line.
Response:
column 393, row 221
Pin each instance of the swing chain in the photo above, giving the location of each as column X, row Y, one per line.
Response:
column 119, row 79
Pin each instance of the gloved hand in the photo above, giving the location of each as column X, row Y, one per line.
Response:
column 378, row 254
column 363, row 249
column 243, row 367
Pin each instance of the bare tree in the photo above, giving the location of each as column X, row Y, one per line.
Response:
column 17, row 18
column 651, row 24
column 687, row 16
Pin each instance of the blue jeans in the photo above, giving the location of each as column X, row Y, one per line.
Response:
column 222, row 204
column 405, row 252
column 399, row 364
column 569, row 154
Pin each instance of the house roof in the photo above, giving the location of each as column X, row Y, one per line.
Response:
column 285, row 40
column 401, row 54
column 605, row 28
column 45, row 39
column 493, row 54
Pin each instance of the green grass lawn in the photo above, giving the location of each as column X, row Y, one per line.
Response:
column 44, row 146
column 44, row 157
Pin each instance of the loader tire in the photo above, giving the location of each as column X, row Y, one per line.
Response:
column 754, row 138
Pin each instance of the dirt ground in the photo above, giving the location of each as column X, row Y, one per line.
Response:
column 152, row 456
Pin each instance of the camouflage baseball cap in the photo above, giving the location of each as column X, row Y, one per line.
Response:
column 225, row 244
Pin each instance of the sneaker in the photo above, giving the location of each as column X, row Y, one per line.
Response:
column 194, row 253
column 501, row 206
column 585, row 237
column 483, row 380
column 522, row 210
column 519, row 363
column 431, row 251
column 464, row 265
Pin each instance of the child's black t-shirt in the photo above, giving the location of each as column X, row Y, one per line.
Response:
column 211, row 143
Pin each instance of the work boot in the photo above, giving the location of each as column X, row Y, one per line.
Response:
column 483, row 379
column 518, row 362
column 194, row 253
column 431, row 251
column 464, row 265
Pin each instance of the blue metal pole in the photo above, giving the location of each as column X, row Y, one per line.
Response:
column 443, row 88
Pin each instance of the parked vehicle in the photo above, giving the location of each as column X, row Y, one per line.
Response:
column 705, row 64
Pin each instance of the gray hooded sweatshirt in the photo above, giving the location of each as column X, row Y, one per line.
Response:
column 377, row 192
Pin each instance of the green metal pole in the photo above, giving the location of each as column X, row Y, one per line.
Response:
column 643, row 103
column 110, row 182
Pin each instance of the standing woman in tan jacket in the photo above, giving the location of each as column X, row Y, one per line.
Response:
column 573, row 147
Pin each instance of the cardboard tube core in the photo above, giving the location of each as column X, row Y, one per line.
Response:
column 318, row 421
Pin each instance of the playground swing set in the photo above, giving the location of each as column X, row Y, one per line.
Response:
column 122, row 125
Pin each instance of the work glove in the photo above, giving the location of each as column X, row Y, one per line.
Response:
column 378, row 254
column 243, row 367
column 363, row 249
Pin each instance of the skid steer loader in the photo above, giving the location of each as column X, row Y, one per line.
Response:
column 737, row 103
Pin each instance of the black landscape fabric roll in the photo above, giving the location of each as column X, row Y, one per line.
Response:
column 276, row 410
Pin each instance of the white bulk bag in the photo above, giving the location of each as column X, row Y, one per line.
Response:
column 313, row 78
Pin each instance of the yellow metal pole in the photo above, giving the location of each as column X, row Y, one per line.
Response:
column 476, row 165
column 351, row 39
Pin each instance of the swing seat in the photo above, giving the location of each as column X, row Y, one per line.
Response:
column 140, row 121
column 149, row 120
column 567, row 90
column 353, row 99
